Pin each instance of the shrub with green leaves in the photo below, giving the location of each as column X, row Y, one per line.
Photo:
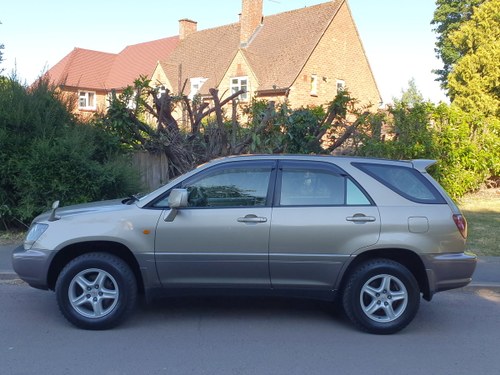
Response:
column 47, row 155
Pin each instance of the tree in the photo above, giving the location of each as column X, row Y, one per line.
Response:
column 448, row 17
column 270, row 128
column 46, row 154
column 474, row 82
column 1, row 55
column 411, row 96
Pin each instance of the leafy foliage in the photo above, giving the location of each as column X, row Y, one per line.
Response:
column 466, row 146
column 209, row 133
column 46, row 154
column 474, row 82
column 448, row 17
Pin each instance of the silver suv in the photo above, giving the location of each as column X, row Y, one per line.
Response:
column 376, row 234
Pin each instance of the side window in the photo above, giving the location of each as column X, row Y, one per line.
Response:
column 233, row 187
column 354, row 196
column 407, row 182
column 318, row 187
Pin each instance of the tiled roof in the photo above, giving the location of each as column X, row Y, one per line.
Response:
column 206, row 53
column 82, row 68
column 276, row 53
column 96, row 70
column 139, row 59
column 285, row 41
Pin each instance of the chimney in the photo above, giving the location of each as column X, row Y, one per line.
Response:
column 251, row 18
column 186, row 27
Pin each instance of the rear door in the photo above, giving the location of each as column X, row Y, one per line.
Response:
column 320, row 217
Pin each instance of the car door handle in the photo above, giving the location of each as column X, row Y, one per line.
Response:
column 252, row 219
column 360, row 218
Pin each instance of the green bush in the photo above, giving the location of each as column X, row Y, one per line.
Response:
column 47, row 155
column 467, row 148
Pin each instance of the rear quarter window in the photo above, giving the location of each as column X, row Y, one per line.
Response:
column 407, row 182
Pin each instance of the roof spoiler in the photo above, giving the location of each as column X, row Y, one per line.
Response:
column 421, row 165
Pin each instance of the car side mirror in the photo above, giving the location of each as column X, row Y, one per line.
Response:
column 178, row 198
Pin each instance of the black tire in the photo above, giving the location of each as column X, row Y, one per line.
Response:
column 381, row 296
column 96, row 291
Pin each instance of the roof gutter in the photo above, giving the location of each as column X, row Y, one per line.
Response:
column 274, row 92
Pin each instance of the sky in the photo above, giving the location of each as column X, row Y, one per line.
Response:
column 396, row 34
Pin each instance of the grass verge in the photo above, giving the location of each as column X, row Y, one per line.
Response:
column 482, row 211
column 8, row 238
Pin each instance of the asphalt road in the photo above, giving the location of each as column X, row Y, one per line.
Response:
column 457, row 333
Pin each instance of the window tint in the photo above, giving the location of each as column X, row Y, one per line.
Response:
column 407, row 182
column 355, row 197
column 231, row 188
column 309, row 187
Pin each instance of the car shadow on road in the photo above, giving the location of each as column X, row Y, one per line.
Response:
column 236, row 307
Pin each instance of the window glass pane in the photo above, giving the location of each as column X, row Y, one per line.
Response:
column 303, row 187
column 231, row 188
column 355, row 197
column 407, row 182
column 91, row 102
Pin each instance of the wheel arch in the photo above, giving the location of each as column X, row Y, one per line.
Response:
column 406, row 257
column 70, row 252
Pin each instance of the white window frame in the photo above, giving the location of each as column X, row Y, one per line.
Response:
column 314, row 85
column 196, row 84
column 340, row 85
column 90, row 99
column 238, row 83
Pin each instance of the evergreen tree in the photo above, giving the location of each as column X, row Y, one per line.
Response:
column 448, row 17
column 474, row 82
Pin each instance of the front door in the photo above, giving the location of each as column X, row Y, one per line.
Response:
column 222, row 238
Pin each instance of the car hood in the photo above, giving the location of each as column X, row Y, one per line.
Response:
column 85, row 208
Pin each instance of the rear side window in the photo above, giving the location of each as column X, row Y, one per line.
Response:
column 309, row 186
column 407, row 182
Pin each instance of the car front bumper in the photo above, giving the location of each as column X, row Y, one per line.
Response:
column 449, row 271
column 32, row 265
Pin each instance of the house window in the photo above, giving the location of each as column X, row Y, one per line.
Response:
column 340, row 85
column 314, row 85
column 86, row 100
column 196, row 84
column 240, row 83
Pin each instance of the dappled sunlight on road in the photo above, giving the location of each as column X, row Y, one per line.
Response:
column 489, row 295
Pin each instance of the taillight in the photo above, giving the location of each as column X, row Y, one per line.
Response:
column 461, row 224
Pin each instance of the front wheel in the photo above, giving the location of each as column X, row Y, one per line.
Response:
column 381, row 296
column 96, row 291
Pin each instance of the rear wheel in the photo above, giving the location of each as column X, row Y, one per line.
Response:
column 381, row 296
column 96, row 291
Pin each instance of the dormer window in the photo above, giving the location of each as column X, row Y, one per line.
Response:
column 87, row 100
column 240, row 83
column 196, row 84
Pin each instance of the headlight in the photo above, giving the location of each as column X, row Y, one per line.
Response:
column 34, row 234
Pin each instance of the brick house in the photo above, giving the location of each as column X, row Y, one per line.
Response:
column 91, row 75
column 304, row 56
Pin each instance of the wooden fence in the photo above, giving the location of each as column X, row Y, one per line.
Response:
column 152, row 167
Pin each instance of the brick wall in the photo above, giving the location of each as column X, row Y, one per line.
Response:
column 338, row 56
column 251, row 16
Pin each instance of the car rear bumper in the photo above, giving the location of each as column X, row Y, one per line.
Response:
column 32, row 265
column 449, row 271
